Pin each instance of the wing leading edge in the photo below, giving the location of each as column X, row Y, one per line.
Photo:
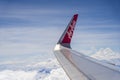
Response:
column 78, row 66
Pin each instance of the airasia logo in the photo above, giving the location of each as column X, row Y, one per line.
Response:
column 70, row 30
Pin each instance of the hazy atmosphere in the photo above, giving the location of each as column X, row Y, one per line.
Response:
column 29, row 30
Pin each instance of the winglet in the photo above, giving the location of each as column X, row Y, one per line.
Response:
column 66, row 37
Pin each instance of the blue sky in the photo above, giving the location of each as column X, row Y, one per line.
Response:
column 31, row 26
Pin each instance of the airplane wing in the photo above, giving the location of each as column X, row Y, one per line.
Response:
column 79, row 66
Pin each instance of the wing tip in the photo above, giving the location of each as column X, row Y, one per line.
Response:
column 76, row 15
column 66, row 37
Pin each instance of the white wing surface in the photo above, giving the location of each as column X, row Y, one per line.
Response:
column 78, row 66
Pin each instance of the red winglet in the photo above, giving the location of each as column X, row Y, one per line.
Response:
column 65, row 39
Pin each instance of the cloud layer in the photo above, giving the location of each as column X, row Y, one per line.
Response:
column 48, row 70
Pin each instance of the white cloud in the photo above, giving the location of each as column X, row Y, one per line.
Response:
column 33, row 15
column 108, row 55
column 56, row 75
column 27, row 40
column 97, row 39
column 17, row 75
column 45, row 70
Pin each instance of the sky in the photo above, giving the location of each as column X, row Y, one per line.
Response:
column 32, row 27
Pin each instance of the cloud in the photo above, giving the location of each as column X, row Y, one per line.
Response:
column 87, row 38
column 56, row 75
column 31, row 16
column 33, row 75
column 107, row 55
column 44, row 70
column 13, row 75
column 21, row 40
column 26, row 41
column 47, row 70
